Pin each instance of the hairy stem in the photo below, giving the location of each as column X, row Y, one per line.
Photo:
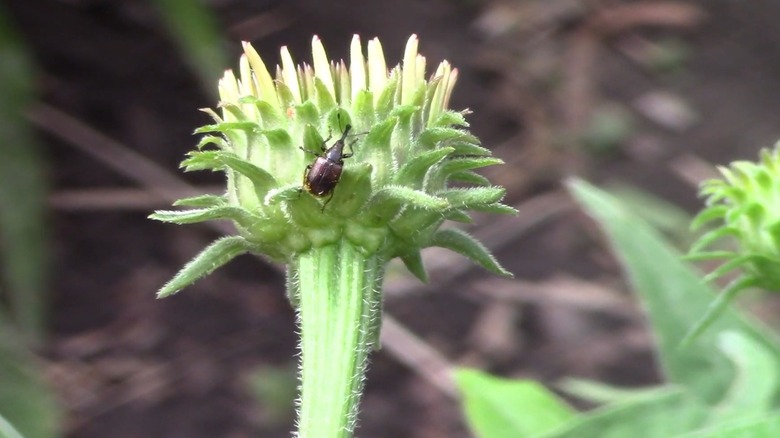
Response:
column 338, row 311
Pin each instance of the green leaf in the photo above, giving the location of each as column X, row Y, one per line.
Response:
column 465, row 245
column 274, row 388
column 674, row 297
column 195, row 30
column 226, row 212
column 659, row 213
column 215, row 255
column 312, row 140
column 23, row 229
column 756, row 381
column 219, row 160
column 469, row 177
column 211, row 139
column 708, row 215
column 286, row 98
column 711, row 237
column 353, row 190
column 457, row 215
column 412, row 173
column 431, row 137
column 325, row 100
column 414, row 263
column 225, row 127
column 363, row 109
column 278, row 138
column 236, row 111
column 379, row 137
column 390, row 198
column 727, row 267
column 386, row 99
column 201, row 201
column 7, row 430
column 469, row 149
column 287, row 193
column 25, row 401
column 711, row 255
column 601, row 393
column 450, row 118
column 269, row 114
column 765, row 427
column 502, row 408
column 455, row 165
column 468, row 163
column 470, row 198
column 717, row 307
column 495, row 208
column 662, row 413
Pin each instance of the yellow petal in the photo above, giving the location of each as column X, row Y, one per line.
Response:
column 265, row 83
column 357, row 67
column 321, row 64
column 409, row 74
column 290, row 75
column 377, row 68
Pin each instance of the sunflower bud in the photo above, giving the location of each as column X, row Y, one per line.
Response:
column 327, row 152
column 744, row 206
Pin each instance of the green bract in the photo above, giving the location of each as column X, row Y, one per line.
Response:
column 745, row 206
column 394, row 193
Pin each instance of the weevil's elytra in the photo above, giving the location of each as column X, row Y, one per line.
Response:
column 321, row 177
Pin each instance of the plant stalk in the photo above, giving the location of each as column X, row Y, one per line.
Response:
column 339, row 306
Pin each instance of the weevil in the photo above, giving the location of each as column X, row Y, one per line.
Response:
column 321, row 176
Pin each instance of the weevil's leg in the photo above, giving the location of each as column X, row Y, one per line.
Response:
column 324, row 144
column 305, row 180
column 322, row 210
column 351, row 150
column 308, row 151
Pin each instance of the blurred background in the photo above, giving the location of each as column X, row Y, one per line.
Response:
column 98, row 100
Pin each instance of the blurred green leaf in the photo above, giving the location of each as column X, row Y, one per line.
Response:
column 608, row 128
column 7, row 430
column 765, row 427
column 601, row 393
column 25, row 401
column 195, row 30
column 661, row 413
column 756, row 381
column 674, row 296
column 22, row 190
column 275, row 389
column 669, row 55
column 662, row 215
column 503, row 408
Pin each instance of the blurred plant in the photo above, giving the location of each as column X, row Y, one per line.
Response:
column 608, row 128
column 744, row 205
column 22, row 192
column 672, row 221
column 365, row 199
column 725, row 384
column 274, row 388
column 26, row 406
column 195, row 31
column 669, row 55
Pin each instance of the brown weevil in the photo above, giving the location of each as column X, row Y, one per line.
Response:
column 321, row 177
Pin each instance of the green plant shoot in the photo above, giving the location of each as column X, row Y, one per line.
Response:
column 384, row 195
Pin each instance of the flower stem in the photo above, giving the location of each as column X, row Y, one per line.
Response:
column 339, row 305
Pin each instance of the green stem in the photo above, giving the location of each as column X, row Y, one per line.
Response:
column 339, row 305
